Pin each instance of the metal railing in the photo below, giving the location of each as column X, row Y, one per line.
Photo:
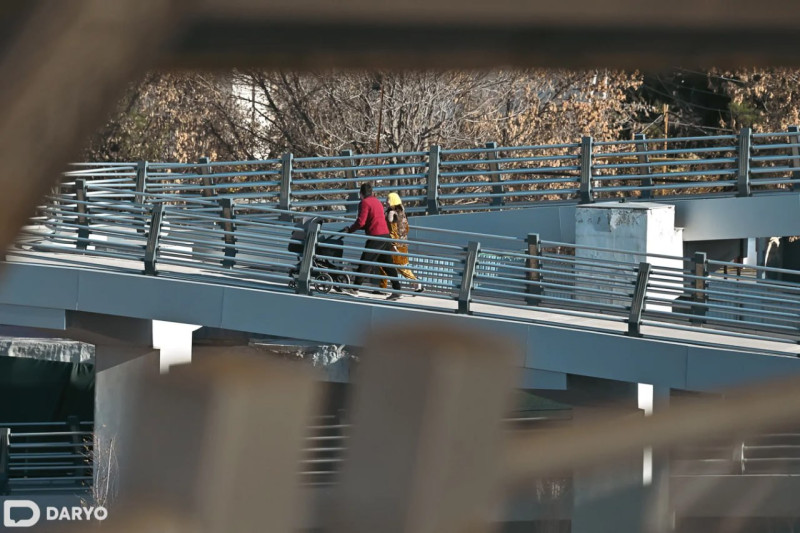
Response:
column 326, row 444
column 40, row 458
column 763, row 454
column 491, row 177
column 46, row 457
column 535, row 281
column 769, row 453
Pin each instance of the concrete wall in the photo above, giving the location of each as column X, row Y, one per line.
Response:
column 119, row 371
column 703, row 219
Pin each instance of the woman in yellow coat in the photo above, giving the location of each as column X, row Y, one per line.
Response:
column 397, row 221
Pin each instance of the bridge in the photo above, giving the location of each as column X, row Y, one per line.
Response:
column 224, row 245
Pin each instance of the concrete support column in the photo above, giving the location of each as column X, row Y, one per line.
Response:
column 124, row 357
column 659, row 515
column 119, row 372
column 762, row 243
column 627, row 232
column 607, row 498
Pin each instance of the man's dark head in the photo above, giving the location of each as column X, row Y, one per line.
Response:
column 366, row 190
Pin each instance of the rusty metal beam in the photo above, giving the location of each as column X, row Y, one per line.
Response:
column 308, row 44
column 456, row 34
column 505, row 13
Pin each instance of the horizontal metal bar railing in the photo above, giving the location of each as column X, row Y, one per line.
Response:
column 49, row 457
column 476, row 178
column 258, row 246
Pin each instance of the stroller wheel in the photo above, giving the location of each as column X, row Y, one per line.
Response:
column 319, row 287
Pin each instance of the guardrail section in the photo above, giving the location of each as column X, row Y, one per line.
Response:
column 491, row 177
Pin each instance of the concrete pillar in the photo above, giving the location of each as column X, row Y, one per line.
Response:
column 659, row 515
column 119, row 372
column 635, row 228
column 124, row 357
column 610, row 497
column 750, row 252
column 762, row 243
column 627, row 232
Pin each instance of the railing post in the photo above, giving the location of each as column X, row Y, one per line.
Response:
column 5, row 436
column 309, row 249
column 533, row 265
column 83, row 210
column 700, row 283
column 285, row 196
column 586, row 195
column 228, row 226
column 433, row 180
column 208, row 180
column 141, row 180
column 151, row 250
column 468, row 277
column 794, row 139
column 497, row 179
column 637, row 302
column 644, row 159
column 352, row 198
column 743, row 157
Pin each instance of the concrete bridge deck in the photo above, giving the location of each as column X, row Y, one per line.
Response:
column 39, row 290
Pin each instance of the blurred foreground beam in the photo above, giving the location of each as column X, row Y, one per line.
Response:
column 427, row 442
column 59, row 77
column 576, row 13
column 218, row 445
column 473, row 34
column 606, row 439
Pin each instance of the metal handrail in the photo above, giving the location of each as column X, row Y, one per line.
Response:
column 47, row 456
column 558, row 279
column 480, row 177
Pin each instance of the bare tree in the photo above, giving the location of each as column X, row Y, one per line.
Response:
column 173, row 117
column 315, row 114
column 258, row 114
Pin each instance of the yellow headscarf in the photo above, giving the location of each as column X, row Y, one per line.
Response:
column 394, row 199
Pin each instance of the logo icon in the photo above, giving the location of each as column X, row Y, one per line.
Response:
column 15, row 520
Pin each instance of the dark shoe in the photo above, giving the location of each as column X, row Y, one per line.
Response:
column 393, row 297
column 377, row 292
column 420, row 290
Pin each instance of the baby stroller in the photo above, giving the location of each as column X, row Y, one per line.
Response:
column 320, row 281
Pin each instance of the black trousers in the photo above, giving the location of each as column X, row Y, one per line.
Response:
column 373, row 252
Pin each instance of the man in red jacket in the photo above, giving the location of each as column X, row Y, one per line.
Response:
column 372, row 220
